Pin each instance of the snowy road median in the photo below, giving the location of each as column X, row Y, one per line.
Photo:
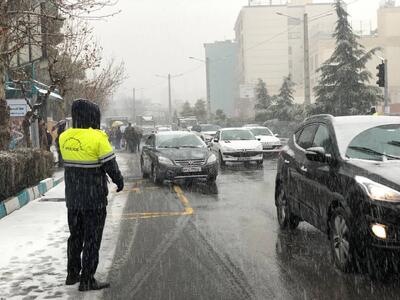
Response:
column 33, row 248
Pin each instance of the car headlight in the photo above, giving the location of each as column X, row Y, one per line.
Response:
column 377, row 191
column 165, row 161
column 211, row 159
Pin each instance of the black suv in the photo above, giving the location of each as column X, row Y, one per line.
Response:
column 342, row 175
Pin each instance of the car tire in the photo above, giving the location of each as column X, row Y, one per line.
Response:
column 222, row 163
column 286, row 219
column 155, row 177
column 341, row 241
column 144, row 173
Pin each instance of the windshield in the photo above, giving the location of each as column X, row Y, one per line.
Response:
column 261, row 131
column 210, row 127
column 179, row 141
column 380, row 143
column 236, row 135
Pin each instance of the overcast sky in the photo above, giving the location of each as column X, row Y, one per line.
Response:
column 157, row 37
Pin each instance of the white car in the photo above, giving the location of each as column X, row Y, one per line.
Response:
column 163, row 128
column 237, row 145
column 270, row 142
column 208, row 131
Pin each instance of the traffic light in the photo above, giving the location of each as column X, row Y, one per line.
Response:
column 381, row 75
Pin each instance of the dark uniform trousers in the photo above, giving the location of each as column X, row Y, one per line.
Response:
column 86, row 230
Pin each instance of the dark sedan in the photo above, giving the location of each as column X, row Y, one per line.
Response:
column 342, row 175
column 177, row 155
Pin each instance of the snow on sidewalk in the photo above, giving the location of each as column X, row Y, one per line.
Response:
column 33, row 244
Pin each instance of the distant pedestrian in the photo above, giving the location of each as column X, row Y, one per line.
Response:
column 43, row 134
column 49, row 139
column 88, row 159
column 373, row 111
column 118, row 137
column 129, row 137
column 60, row 127
column 139, row 137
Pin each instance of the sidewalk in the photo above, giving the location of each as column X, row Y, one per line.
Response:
column 33, row 248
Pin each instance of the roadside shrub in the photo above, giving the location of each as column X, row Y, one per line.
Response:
column 23, row 168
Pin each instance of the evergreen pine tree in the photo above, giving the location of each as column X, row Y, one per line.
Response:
column 263, row 99
column 343, row 88
column 187, row 110
column 199, row 110
column 282, row 108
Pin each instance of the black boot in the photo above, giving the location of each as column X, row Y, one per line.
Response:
column 72, row 279
column 92, row 284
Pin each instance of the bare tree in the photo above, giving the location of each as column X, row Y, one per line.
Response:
column 100, row 86
column 21, row 24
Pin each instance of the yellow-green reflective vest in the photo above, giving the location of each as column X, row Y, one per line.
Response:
column 85, row 148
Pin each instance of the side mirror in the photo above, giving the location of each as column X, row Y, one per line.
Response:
column 317, row 154
column 215, row 140
column 258, row 139
column 276, row 135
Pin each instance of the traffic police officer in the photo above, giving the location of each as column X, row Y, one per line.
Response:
column 88, row 158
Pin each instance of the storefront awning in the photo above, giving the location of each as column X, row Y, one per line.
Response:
column 53, row 95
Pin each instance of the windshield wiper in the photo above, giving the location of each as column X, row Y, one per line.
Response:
column 371, row 151
column 189, row 146
column 169, row 147
column 394, row 143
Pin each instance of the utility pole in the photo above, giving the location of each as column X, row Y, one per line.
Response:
column 169, row 100
column 169, row 77
column 208, row 89
column 387, row 108
column 307, row 84
column 134, row 106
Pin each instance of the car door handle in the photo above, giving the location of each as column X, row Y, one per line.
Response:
column 304, row 169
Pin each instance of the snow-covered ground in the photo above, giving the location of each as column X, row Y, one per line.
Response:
column 33, row 243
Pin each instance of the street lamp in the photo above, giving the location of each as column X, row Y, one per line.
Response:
column 307, row 84
column 169, row 76
column 207, row 63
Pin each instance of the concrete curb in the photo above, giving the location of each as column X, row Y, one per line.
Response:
column 10, row 205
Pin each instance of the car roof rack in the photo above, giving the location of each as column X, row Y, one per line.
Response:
column 321, row 116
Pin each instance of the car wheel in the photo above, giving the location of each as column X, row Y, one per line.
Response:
column 342, row 245
column 155, row 175
column 144, row 173
column 221, row 160
column 286, row 219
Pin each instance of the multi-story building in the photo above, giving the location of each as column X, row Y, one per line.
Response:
column 221, row 61
column 271, row 45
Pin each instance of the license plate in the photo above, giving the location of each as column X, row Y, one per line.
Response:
column 191, row 169
column 243, row 158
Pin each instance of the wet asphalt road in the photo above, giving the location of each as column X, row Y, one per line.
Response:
column 193, row 241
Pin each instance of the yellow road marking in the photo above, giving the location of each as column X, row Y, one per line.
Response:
column 188, row 210
column 137, row 190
